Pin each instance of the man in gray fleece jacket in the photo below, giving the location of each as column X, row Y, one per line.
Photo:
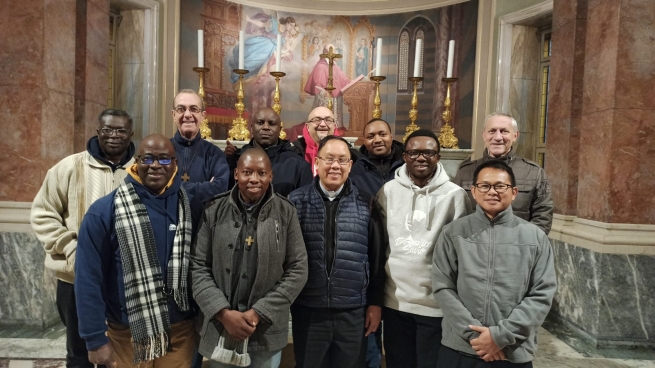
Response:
column 493, row 277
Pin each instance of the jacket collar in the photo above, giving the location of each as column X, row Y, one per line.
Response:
column 502, row 218
column 179, row 139
column 93, row 148
column 272, row 151
column 316, row 186
column 508, row 157
column 396, row 156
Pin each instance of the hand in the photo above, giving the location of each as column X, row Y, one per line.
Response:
column 484, row 345
column 373, row 317
column 251, row 317
column 229, row 149
column 235, row 324
column 103, row 355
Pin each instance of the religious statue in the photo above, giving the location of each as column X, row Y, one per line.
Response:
column 318, row 81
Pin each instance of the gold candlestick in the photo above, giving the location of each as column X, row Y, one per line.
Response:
column 205, row 131
column 413, row 113
column 239, row 130
column 447, row 137
column 276, row 101
column 377, row 113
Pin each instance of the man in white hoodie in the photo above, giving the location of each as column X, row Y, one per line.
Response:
column 415, row 206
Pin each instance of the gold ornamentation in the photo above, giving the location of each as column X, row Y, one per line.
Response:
column 205, row 131
column 447, row 137
column 239, row 130
column 413, row 113
column 330, row 86
column 377, row 112
column 276, row 101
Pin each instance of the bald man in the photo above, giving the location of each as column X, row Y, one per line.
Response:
column 133, row 249
column 290, row 169
column 320, row 123
column 248, row 265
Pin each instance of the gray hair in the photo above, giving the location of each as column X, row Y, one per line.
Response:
column 193, row 92
column 515, row 125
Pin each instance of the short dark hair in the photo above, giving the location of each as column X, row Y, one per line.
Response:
column 423, row 133
column 115, row 112
column 374, row 120
column 495, row 164
column 332, row 138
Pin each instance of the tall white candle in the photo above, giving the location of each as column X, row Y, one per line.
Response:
column 242, row 46
column 451, row 57
column 417, row 57
column 278, row 55
column 378, row 57
column 201, row 49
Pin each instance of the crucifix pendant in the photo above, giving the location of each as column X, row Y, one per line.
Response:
column 249, row 241
column 186, row 177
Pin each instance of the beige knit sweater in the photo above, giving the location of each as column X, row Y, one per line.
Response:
column 68, row 190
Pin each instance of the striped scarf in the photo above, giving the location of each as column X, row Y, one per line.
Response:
column 146, row 295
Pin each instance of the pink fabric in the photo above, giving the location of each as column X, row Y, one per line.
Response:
column 319, row 77
column 312, row 147
column 311, row 150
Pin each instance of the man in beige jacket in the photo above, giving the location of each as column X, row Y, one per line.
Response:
column 69, row 188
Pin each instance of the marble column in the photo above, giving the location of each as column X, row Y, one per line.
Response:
column 601, row 164
column 53, row 86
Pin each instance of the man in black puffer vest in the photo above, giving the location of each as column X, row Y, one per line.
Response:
column 340, row 304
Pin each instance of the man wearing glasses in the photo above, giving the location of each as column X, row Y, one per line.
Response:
column 69, row 188
column 533, row 202
column 133, row 268
column 320, row 124
column 201, row 165
column 341, row 302
column 415, row 207
column 493, row 276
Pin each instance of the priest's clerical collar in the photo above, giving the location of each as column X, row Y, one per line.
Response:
column 330, row 194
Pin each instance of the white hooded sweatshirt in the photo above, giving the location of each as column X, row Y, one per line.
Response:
column 413, row 218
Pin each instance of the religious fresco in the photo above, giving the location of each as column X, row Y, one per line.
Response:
column 306, row 36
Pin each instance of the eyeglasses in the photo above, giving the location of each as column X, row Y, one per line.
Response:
column 331, row 160
column 499, row 188
column 149, row 160
column 428, row 154
column 119, row 132
column 317, row 120
column 182, row 109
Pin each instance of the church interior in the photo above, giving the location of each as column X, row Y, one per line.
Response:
column 578, row 76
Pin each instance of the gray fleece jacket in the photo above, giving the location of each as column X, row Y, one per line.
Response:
column 496, row 273
column 281, row 268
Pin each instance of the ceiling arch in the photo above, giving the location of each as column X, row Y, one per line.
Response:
column 349, row 7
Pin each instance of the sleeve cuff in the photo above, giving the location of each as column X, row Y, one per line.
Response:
column 94, row 342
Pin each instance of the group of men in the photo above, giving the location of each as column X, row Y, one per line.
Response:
column 177, row 248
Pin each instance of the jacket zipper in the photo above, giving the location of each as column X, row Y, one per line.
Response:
column 277, row 234
column 490, row 276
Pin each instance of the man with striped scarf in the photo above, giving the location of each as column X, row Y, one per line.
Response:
column 132, row 267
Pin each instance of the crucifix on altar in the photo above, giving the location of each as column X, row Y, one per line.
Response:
column 330, row 56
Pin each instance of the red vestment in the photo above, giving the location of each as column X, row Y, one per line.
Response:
column 319, row 77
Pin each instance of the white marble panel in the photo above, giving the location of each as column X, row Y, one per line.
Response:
column 27, row 290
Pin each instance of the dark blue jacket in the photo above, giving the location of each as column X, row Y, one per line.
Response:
column 206, row 163
column 359, row 240
column 290, row 170
column 366, row 177
column 99, row 268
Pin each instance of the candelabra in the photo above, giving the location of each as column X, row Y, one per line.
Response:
column 447, row 137
column 239, row 130
column 205, row 131
column 276, row 101
column 377, row 113
column 413, row 113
